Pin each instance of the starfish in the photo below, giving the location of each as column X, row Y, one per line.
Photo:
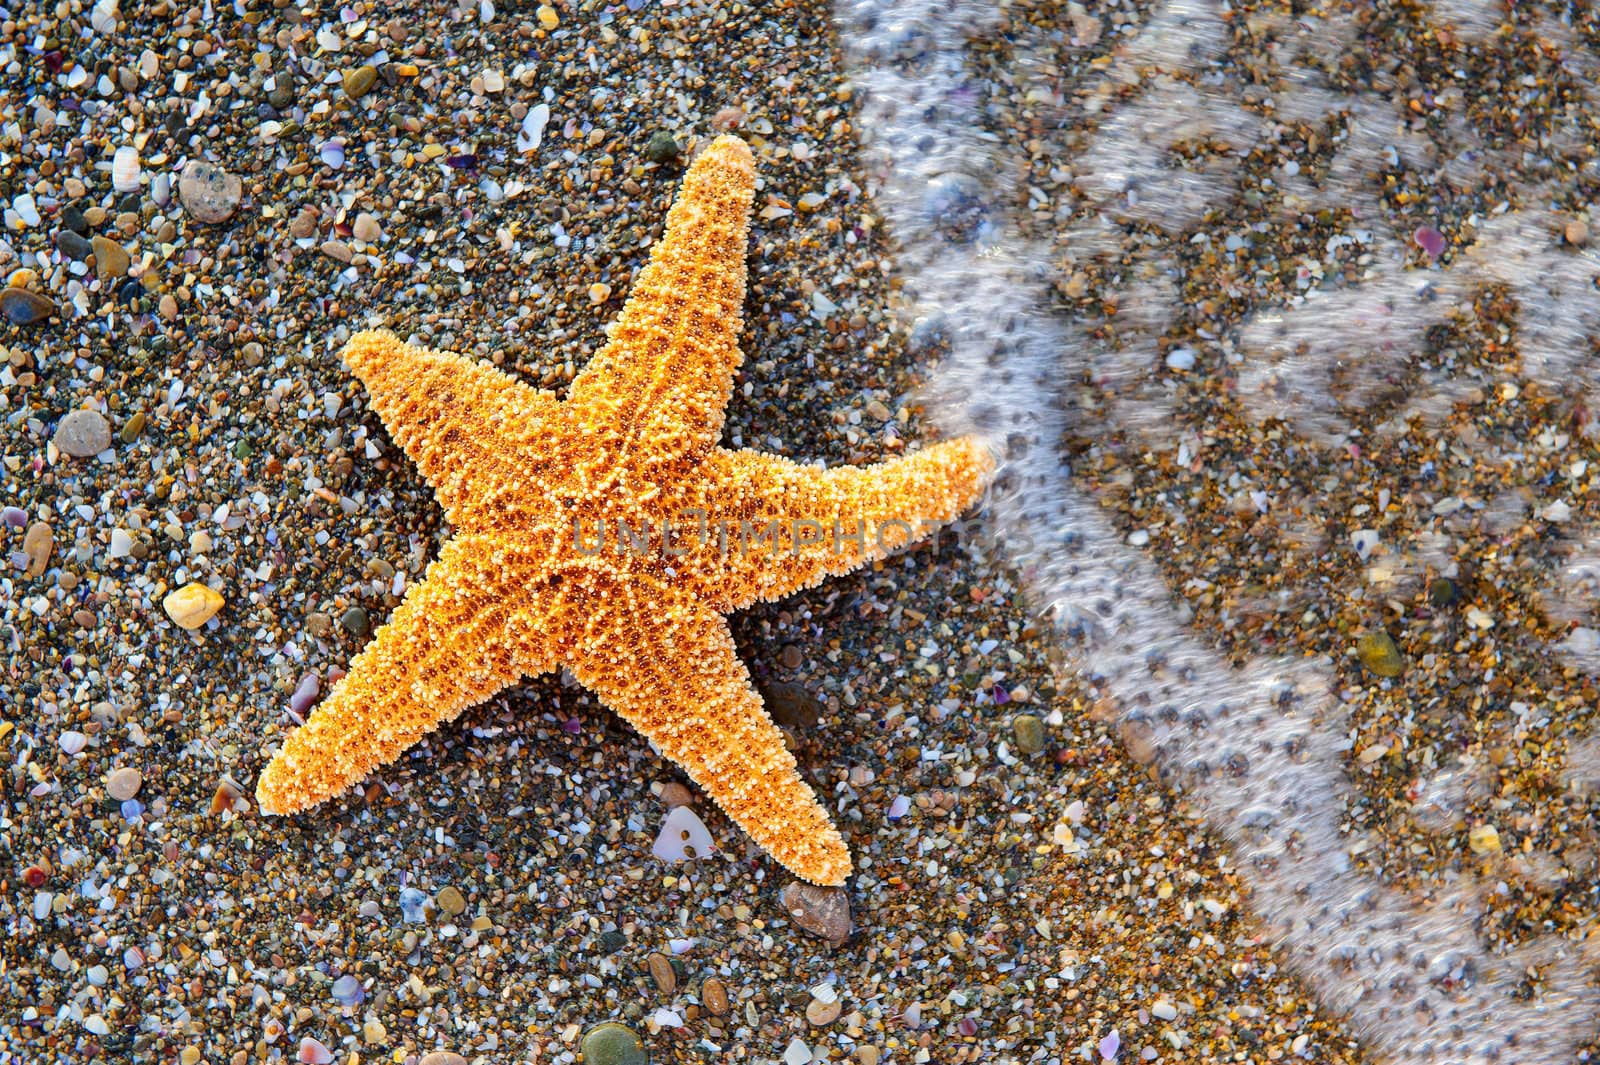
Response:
column 528, row 583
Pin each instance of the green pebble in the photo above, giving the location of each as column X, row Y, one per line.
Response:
column 1442, row 591
column 359, row 80
column 1379, row 654
column 133, row 427
column 662, row 148
column 355, row 620
column 1029, row 731
column 612, row 1044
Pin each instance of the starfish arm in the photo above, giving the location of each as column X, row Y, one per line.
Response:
column 774, row 526
column 667, row 665
column 658, row 387
column 456, row 639
column 457, row 418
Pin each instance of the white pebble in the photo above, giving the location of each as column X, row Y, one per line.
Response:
column 797, row 1053
column 532, row 131
column 1165, row 1010
column 96, row 1025
column 73, row 742
column 26, row 209
column 121, row 543
column 103, row 19
column 41, row 906
column 1180, row 359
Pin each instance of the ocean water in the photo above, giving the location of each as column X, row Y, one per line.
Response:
column 1264, row 748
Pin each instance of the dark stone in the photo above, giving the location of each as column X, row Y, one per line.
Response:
column 73, row 219
column 72, row 245
column 661, row 148
column 355, row 620
column 791, row 705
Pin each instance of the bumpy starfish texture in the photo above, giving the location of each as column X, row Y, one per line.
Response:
column 609, row 533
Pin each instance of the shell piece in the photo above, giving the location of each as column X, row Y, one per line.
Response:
column 683, row 836
column 532, row 131
column 192, row 605
column 125, row 169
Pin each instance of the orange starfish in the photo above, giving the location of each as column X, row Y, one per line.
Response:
column 609, row 534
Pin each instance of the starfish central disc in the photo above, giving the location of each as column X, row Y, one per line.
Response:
column 609, row 534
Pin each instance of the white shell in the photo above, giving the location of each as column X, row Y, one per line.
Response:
column 683, row 836
column 125, row 169
column 103, row 18
column 532, row 131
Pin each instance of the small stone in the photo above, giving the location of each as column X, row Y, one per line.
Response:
column 451, row 901
column 74, row 246
column 359, row 81
column 73, row 742
column 121, row 543
column 791, row 656
column 192, row 605
column 442, row 1057
column 662, row 147
column 337, row 250
column 1441, row 591
column 21, row 307
column 867, row 1055
column 674, row 795
column 791, row 705
column 1140, row 742
column 111, row 260
column 1577, row 233
column 612, row 1044
column 313, row 1052
column 132, row 427
column 1029, row 732
column 124, row 782
column 37, row 544
column 1484, row 839
column 189, row 1055
column 355, row 621
column 714, row 995
column 599, row 292
column 661, row 972
column 367, row 229
column 548, row 17
column 1164, row 1010
column 821, row 1013
column 223, row 799
column 83, row 433
column 373, row 1033
column 209, row 193
column 1380, row 655
column 125, row 169
column 822, row 911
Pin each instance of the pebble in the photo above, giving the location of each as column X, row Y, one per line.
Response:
column 442, row 1057
column 674, row 795
column 791, row 705
column 1379, row 654
column 714, row 995
column 209, row 193
column 451, row 901
column 662, row 973
column 1139, row 741
column 413, row 905
column 1029, row 732
column 132, row 427
column 124, row 782
column 367, row 229
column 821, row 1013
column 822, row 911
column 313, row 1052
column 1577, row 233
column 22, row 307
column 305, row 693
column 111, row 260
column 83, row 433
column 612, row 1044
column 359, row 81
column 37, row 544
column 121, row 543
column 355, row 621
column 661, row 148
column 192, row 605
column 1484, row 839
column 337, row 250
column 73, row 742
column 73, row 246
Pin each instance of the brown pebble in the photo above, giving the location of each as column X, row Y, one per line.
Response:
column 714, row 995
column 661, row 972
column 451, row 901
column 224, row 797
column 867, row 1055
column 820, row 1013
column 1139, row 740
column 338, row 250
column 1577, row 233
column 791, row 656
column 674, row 795
column 111, row 260
column 83, row 434
column 357, row 82
column 124, row 783
column 822, row 911
column 37, row 544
